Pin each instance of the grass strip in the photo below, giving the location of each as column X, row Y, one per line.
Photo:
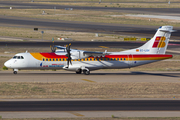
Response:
column 89, row 90
column 84, row 118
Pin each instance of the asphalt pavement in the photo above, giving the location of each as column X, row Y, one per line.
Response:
column 106, row 105
column 82, row 44
column 30, row 5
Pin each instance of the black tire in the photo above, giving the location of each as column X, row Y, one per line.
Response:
column 79, row 71
column 15, row 72
column 86, row 72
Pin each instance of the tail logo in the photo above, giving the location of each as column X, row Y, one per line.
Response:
column 159, row 42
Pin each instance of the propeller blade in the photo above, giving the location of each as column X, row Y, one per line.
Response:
column 53, row 49
column 68, row 54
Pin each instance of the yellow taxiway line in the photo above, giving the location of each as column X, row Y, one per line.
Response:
column 76, row 114
column 103, row 47
column 87, row 80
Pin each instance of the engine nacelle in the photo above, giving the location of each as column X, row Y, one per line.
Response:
column 78, row 55
column 72, row 67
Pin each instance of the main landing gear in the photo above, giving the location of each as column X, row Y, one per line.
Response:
column 85, row 71
column 79, row 71
column 15, row 71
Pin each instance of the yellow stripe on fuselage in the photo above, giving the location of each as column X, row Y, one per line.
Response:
column 151, row 58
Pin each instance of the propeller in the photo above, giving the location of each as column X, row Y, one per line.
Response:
column 53, row 49
column 68, row 54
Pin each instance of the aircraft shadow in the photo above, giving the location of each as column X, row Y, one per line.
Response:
column 101, row 74
column 141, row 73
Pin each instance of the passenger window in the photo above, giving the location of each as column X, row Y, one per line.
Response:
column 49, row 59
column 53, row 59
column 22, row 57
column 56, row 59
column 46, row 59
column 124, row 58
column 43, row 59
column 121, row 59
column 59, row 59
column 18, row 57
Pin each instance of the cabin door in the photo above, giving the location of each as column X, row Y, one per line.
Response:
column 130, row 60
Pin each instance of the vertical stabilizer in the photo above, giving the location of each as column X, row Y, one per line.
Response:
column 158, row 44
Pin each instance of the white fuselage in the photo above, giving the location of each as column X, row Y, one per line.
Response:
column 112, row 61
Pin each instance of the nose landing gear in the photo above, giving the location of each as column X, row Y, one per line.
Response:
column 15, row 71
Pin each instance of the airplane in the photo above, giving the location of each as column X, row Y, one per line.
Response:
column 85, row 61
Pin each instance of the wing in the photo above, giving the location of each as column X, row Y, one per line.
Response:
column 90, row 53
column 79, row 54
column 61, row 47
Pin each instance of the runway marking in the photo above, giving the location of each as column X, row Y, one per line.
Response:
column 103, row 46
column 87, row 80
column 76, row 114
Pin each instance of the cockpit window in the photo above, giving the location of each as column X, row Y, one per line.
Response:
column 14, row 57
column 18, row 57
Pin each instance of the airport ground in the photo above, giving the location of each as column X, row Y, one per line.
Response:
column 155, row 81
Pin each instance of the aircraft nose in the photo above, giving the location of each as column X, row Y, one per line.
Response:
column 7, row 64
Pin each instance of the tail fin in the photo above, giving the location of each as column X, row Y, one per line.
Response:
column 158, row 44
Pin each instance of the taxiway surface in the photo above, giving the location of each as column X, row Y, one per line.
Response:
column 95, row 76
column 82, row 44
column 29, row 5
column 121, row 29
column 106, row 105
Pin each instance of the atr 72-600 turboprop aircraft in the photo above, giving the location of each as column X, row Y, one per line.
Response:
column 86, row 61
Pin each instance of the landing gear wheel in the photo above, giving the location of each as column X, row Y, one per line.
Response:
column 15, row 72
column 79, row 71
column 86, row 72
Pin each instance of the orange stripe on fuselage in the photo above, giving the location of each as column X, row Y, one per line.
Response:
column 52, row 55
column 40, row 56
column 37, row 56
